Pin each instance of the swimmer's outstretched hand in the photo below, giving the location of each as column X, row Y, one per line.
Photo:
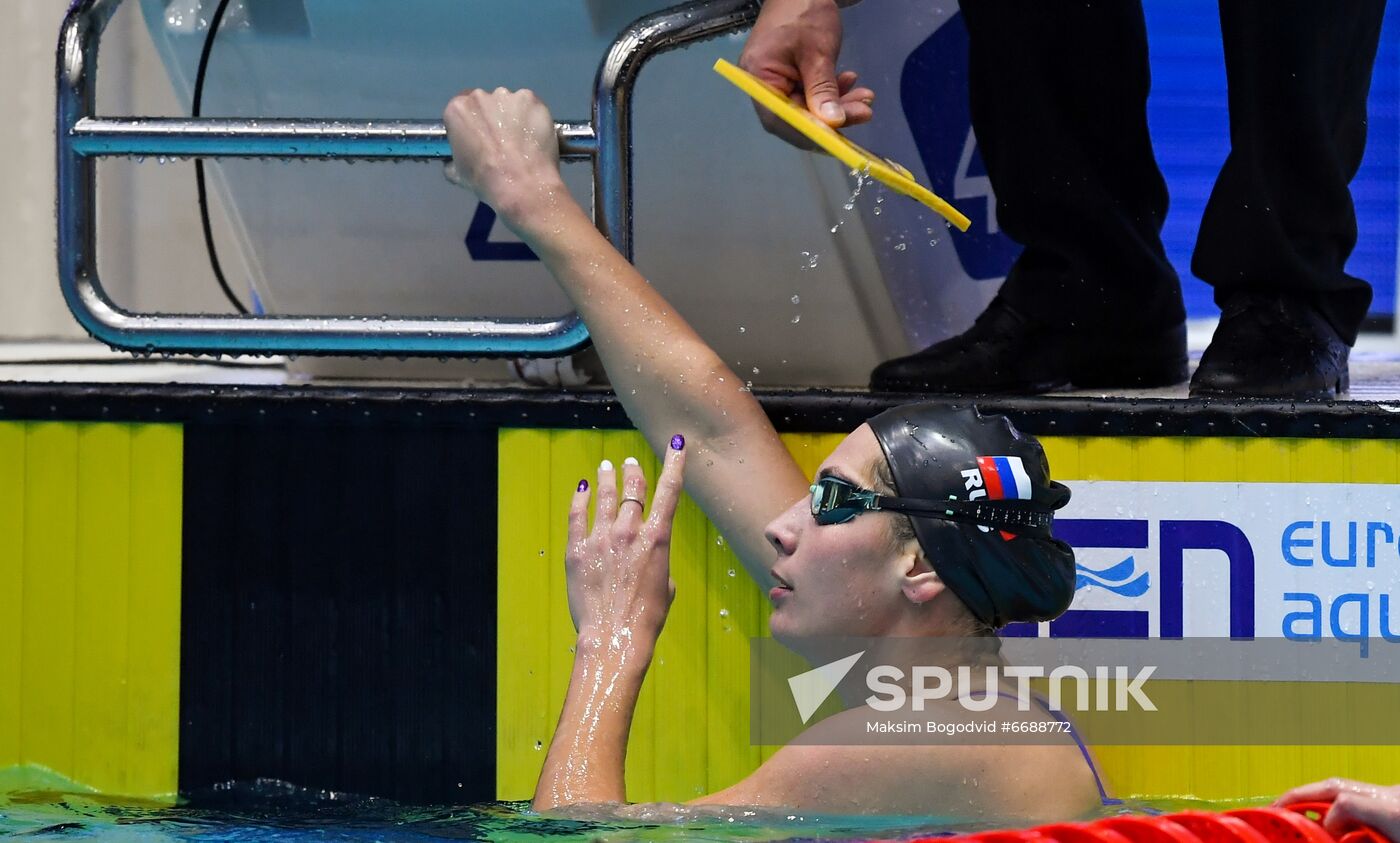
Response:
column 505, row 150
column 1354, row 804
column 619, row 573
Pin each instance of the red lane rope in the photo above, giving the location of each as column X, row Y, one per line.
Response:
column 1300, row 822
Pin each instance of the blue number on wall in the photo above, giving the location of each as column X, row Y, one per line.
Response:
column 933, row 88
column 482, row 248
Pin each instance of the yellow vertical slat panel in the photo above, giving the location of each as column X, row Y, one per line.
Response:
column 153, row 609
column 1211, row 460
column 1315, row 461
column 100, row 659
column 1062, row 452
column 679, row 670
column 733, row 614
column 1159, row 459
column 1265, row 461
column 525, row 720
column 1373, row 460
column 1156, row 772
column 47, row 639
column 572, row 456
column 1137, row 771
column 12, row 485
column 1106, row 458
column 90, row 524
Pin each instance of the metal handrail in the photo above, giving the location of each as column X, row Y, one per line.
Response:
column 83, row 137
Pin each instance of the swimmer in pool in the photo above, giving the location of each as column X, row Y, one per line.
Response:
column 832, row 563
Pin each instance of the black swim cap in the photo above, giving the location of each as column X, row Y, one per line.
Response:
column 936, row 452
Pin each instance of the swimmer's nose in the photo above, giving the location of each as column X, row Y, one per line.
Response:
column 777, row 539
column 781, row 532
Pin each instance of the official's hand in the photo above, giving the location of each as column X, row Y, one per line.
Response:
column 794, row 47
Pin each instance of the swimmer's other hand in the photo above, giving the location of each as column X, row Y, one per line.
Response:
column 619, row 572
column 1354, row 804
column 504, row 149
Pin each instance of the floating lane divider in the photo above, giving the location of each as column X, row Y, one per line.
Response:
column 1300, row 822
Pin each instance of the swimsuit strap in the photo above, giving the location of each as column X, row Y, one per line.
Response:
column 1078, row 741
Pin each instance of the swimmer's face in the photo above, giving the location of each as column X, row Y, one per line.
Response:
column 846, row 579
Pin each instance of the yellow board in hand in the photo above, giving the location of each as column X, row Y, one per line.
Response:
column 836, row 145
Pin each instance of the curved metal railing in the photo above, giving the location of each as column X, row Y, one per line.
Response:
column 83, row 137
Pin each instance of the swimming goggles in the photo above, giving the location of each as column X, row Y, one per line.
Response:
column 836, row 501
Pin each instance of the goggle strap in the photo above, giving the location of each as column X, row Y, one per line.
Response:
column 1012, row 516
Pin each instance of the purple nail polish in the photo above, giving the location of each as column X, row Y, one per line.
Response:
column 583, row 485
column 677, row 442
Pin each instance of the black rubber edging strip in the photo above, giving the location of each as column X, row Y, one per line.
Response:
column 812, row 411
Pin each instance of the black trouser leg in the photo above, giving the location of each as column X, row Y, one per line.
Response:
column 1059, row 105
column 1281, row 216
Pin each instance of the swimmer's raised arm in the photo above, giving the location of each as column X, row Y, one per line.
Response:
column 668, row 379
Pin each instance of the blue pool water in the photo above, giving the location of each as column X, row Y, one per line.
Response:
column 259, row 812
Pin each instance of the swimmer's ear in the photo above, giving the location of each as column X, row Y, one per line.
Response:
column 921, row 583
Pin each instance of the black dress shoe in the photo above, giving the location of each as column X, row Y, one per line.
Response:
column 1005, row 352
column 1272, row 346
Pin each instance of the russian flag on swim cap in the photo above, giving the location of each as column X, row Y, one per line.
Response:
column 1005, row 478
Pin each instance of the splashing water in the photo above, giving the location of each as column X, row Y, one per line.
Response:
column 861, row 177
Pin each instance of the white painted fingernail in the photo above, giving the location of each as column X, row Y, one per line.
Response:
column 631, row 461
column 605, row 465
